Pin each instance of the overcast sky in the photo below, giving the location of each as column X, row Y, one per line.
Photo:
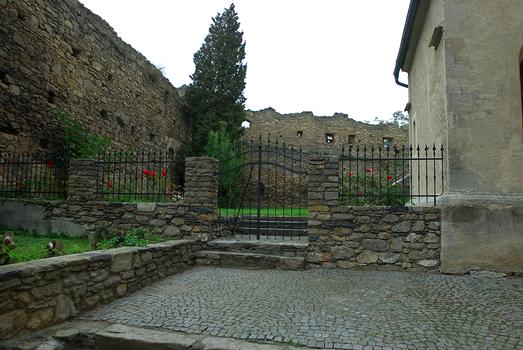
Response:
column 324, row 56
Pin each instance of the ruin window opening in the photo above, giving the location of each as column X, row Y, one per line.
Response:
column 352, row 139
column 299, row 133
column 3, row 77
column 103, row 113
column 387, row 142
column 76, row 52
column 246, row 124
column 152, row 137
column 44, row 143
column 51, row 97
column 329, row 137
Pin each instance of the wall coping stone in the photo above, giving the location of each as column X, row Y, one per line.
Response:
column 48, row 264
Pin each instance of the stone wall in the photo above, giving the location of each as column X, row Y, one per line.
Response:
column 314, row 129
column 377, row 238
column 40, row 293
column 57, row 54
column 82, row 214
column 176, row 220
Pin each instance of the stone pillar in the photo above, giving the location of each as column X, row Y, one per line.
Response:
column 81, row 183
column 323, row 182
column 201, row 182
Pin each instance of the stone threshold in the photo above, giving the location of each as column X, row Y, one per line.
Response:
column 89, row 335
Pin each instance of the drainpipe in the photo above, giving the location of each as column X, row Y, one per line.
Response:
column 405, row 39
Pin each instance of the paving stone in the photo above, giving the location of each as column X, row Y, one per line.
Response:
column 340, row 309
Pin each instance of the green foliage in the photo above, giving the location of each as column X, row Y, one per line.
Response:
column 216, row 93
column 372, row 189
column 31, row 246
column 133, row 238
column 79, row 142
column 276, row 212
column 401, row 119
column 221, row 146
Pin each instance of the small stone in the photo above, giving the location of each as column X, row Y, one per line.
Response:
column 344, row 264
column 341, row 253
column 428, row 263
column 389, row 258
column 391, row 218
column 64, row 308
column 417, row 255
column 15, row 90
column 412, row 237
column 402, row 227
column 418, row 226
column 368, row 257
column 430, row 238
column 375, row 244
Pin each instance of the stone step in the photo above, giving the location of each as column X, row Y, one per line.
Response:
column 249, row 260
column 284, row 232
column 281, row 248
column 276, row 224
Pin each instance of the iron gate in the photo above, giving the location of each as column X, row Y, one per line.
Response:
column 263, row 191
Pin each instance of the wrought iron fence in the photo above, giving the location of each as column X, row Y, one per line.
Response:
column 391, row 175
column 263, row 191
column 142, row 176
column 33, row 176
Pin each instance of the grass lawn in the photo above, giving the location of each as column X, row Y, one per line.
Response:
column 300, row 212
column 32, row 246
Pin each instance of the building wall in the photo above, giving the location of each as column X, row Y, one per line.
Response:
column 483, row 95
column 428, row 117
column 468, row 94
column 285, row 127
column 57, row 54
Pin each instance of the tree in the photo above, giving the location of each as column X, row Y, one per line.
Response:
column 401, row 119
column 216, row 92
column 220, row 146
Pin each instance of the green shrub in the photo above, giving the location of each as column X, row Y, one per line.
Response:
column 221, row 147
column 135, row 237
column 79, row 142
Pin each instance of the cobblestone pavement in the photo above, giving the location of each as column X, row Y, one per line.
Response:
column 332, row 309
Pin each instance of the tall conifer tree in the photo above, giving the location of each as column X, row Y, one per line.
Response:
column 216, row 93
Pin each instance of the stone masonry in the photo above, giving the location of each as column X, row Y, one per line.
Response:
column 40, row 293
column 313, row 130
column 376, row 238
column 82, row 214
column 59, row 55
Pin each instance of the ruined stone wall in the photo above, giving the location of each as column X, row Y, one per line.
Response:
column 286, row 127
column 42, row 292
column 57, row 54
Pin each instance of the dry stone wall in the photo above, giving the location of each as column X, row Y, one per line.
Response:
column 57, row 54
column 43, row 292
column 367, row 237
column 309, row 131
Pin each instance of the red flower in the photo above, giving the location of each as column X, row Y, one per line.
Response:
column 360, row 194
column 145, row 172
column 369, row 170
column 110, row 184
column 164, row 172
column 389, row 177
column 50, row 164
column 349, row 173
column 18, row 186
column 152, row 173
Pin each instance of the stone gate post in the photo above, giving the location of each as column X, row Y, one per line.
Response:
column 82, row 178
column 323, row 182
column 201, row 182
